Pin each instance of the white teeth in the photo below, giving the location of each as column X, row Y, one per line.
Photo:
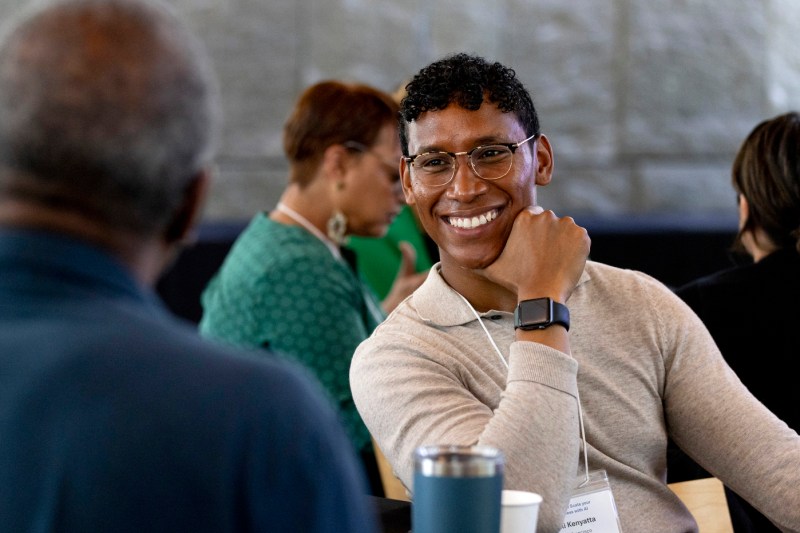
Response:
column 473, row 222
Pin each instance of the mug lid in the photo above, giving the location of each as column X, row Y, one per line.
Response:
column 458, row 461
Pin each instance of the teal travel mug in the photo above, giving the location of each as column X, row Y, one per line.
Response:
column 457, row 489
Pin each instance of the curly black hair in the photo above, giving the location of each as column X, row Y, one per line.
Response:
column 465, row 80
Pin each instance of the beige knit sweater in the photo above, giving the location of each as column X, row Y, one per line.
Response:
column 645, row 367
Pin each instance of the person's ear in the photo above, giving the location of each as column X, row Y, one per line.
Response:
column 744, row 211
column 405, row 180
column 189, row 211
column 543, row 170
column 335, row 162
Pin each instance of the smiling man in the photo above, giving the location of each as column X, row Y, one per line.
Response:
column 514, row 321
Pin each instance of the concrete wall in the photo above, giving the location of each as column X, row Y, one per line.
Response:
column 644, row 101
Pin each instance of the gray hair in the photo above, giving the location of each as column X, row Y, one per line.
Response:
column 107, row 107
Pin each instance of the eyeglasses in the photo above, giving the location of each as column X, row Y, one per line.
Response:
column 490, row 162
column 391, row 167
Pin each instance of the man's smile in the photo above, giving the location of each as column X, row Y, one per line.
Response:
column 473, row 221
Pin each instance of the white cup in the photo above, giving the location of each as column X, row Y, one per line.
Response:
column 520, row 510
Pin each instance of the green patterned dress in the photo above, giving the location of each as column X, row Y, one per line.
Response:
column 281, row 287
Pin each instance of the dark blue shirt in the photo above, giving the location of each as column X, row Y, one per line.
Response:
column 115, row 416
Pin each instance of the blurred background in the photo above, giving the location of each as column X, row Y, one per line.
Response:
column 644, row 101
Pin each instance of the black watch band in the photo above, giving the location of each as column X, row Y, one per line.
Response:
column 540, row 313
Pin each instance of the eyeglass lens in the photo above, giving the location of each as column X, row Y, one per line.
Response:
column 488, row 162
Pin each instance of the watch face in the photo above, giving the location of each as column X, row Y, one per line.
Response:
column 534, row 311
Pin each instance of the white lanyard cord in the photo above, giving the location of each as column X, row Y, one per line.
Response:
column 488, row 335
column 583, row 439
column 578, row 397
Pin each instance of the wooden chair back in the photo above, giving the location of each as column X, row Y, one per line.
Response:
column 392, row 487
column 705, row 499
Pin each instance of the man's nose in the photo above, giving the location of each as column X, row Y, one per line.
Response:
column 465, row 180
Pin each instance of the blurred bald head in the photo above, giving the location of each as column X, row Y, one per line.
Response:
column 108, row 108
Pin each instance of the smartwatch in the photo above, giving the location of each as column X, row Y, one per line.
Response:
column 540, row 313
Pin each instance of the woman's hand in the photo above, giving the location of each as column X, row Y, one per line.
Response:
column 407, row 279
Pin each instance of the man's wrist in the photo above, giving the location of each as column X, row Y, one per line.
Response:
column 540, row 313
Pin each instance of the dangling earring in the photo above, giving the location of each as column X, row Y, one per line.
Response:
column 337, row 226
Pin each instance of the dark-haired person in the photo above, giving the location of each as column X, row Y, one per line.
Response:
column 753, row 310
column 287, row 282
column 114, row 415
column 517, row 341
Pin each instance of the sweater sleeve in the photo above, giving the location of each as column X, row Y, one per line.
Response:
column 713, row 417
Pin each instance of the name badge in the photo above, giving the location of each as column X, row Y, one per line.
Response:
column 591, row 508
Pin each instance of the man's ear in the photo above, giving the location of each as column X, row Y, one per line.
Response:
column 405, row 181
column 188, row 213
column 543, row 170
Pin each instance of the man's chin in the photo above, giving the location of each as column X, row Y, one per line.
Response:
column 475, row 263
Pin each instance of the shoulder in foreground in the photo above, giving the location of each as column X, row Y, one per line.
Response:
column 157, row 338
column 255, row 377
